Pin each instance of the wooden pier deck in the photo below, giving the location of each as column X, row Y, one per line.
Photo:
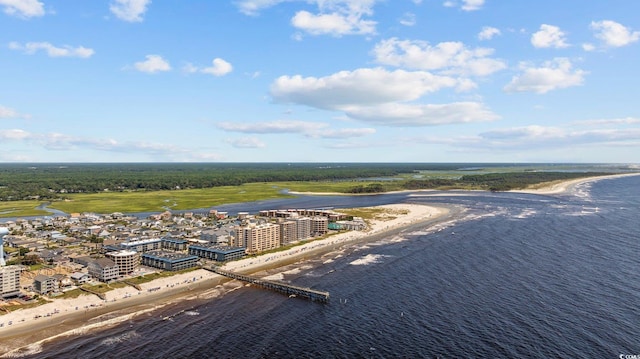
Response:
column 285, row 288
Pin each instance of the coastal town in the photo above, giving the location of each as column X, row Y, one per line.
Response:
column 49, row 256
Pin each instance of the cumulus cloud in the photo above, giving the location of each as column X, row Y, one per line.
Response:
column 549, row 36
column 552, row 75
column 613, row 34
column 488, row 33
column 362, row 86
column 6, row 112
column 334, row 23
column 129, row 10
column 23, row 8
column 219, row 68
column 53, row 51
column 308, row 129
column 447, row 57
column 152, row 64
column 380, row 96
column 333, row 17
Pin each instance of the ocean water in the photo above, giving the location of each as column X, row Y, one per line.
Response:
column 511, row 276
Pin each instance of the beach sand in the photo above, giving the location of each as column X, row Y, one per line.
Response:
column 558, row 187
column 31, row 327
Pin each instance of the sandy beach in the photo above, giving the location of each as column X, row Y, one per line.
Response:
column 558, row 187
column 31, row 327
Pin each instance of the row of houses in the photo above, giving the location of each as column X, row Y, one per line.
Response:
column 164, row 241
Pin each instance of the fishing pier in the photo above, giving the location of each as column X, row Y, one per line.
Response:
column 284, row 288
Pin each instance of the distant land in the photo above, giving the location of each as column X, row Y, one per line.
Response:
column 141, row 187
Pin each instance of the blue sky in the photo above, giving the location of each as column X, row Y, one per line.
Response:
column 319, row 81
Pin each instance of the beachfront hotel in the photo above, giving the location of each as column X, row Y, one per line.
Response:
column 258, row 238
column 126, row 261
column 9, row 275
column 9, row 281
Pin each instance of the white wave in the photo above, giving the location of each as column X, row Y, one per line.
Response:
column 80, row 331
column 526, row 213
column 368, row 259
column 191, row 312
column 31, row 349
column 120, row 338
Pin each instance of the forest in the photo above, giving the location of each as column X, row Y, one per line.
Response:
column 55, row 181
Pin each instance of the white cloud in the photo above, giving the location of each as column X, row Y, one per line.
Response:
column 466, row 5
column 400, row 114
column 380, row 96
column 488, row 32
column 247, row 142
column 63, row 142
column 152, row 64
column 272, row 127
column 346, row 132
column 610, row 121
column 334, row 17
column 6, row 112
column 449, row 57
column 549, row 36
column 219, row 68
column 309, row 129
column 588, row 47
column 336, row 24
column 23, row 8
column 472, row 5
column 552, row 75
column 408, row 19
column 363, row 87
column 53, row 51
column 14, row 134
column 614, row 34
column 536, row 136
column 129, row 10
column 253, row 7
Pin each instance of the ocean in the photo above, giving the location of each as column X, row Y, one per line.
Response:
column 511, row 276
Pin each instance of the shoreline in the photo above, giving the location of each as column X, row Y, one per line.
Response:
column 80, row 315
column 560, row 187
column 88, row 312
